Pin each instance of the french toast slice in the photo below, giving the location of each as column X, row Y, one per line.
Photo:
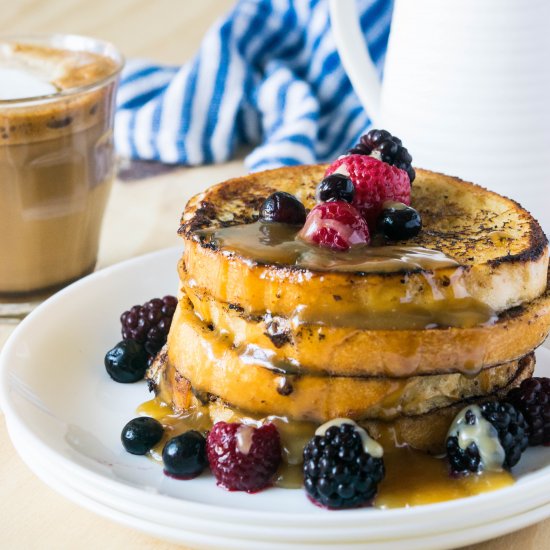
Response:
column 498, row 252
column 426, row 431
column 348, row 351
column 250, row 380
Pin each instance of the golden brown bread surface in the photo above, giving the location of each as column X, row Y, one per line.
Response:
column 501, row 251
column 425, row 431
column 428, row 432
column 347, row 351
column 248, row 379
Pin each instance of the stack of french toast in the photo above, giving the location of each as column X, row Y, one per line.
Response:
column 398, row 336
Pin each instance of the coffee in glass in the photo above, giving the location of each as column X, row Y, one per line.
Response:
column 57, row 161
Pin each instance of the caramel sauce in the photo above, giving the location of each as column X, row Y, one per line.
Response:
column 399, row 361
column 461, row 312
column 174, row 424
column 277, row 243
column 412, row 477
column 450, row 305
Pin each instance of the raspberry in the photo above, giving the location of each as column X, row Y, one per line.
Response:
column 532, row 398
column 375, row 182
column 338, row 472
column 337, row 225
column 243, row 458
column 472, row 448
column 381, row 144
column 149, row 323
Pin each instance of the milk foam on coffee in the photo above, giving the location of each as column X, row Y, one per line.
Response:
column 17, row 83
column 38, row 70
column 19, row 79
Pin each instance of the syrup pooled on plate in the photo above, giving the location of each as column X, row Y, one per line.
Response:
column 412, row 477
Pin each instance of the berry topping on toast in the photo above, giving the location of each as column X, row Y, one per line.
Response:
column 283, row 207
column 375, row 183
column 398, row 222
column 389, row 149
column 336, row 225
column 336, row 187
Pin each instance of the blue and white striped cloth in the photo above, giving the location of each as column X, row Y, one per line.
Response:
column 267, row 75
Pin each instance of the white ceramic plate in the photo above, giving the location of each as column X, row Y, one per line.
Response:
column 61, row 404
column 212, row 538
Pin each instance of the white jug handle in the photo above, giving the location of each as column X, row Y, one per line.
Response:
column 355, row 57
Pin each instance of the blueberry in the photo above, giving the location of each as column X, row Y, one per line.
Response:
column 283, row 207
column 126, row 362
column 398, row 221
column 335, row 187
column 184, row 456
column 141, row 434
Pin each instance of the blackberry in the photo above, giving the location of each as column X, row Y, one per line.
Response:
column 498, row 444
column 335, row 187
column 283, row 207
column 532, row 398
column 149, row 323
column 463, row 460
column 389, row 148
column 338, row 472
column 398, row 222
column 511, row 427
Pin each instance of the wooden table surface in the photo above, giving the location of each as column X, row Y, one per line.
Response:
column 142, row 216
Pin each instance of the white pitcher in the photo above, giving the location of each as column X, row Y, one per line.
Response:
column 466, row 86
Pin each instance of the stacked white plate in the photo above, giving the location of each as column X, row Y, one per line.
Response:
column 65, row 415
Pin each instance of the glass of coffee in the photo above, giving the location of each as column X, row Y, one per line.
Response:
column 57, row 161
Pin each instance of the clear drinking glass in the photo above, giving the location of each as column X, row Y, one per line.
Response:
column 57, row 164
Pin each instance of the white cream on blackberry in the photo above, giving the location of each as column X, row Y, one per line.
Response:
column 370, row 446
column 483, row 434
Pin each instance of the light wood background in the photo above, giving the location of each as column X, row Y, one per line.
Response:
column 32, row 516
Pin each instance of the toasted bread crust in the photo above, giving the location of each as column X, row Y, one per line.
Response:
column 501, row 249
column 347, row 351
column 428, row 432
